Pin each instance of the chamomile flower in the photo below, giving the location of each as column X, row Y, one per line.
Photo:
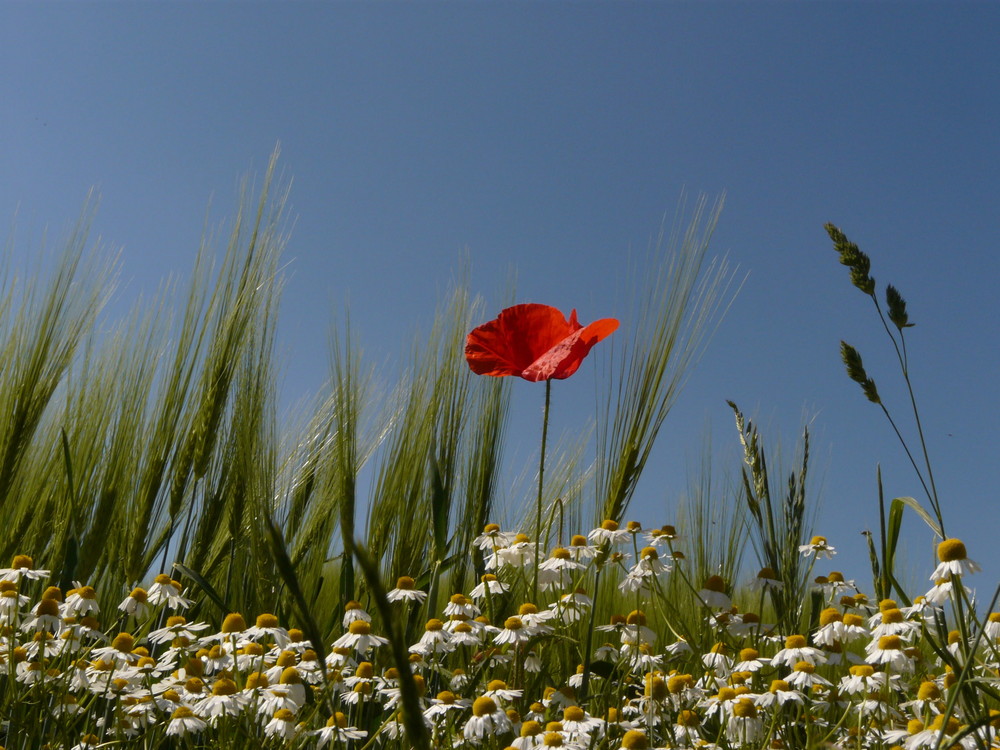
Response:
column 953, row 560
column 359, row 637
column 804, row 676
column 183, row 722
column 177, row 626
column 863, row 679
column 713, row 593
column 435, row 640
column 406, row 591
column 489, row 583
column 338, row 731
column 460, row 606
column 445, row 703
column 780, row 692
column 136, row 604
column 22, row 566
column 46, row 617
column 225, row 700
column 818, row 547
column 80, row 602
column 765, row 580
column 750, row 660
column 492, row 538
column 266, row 626
column 519, row 554
column 513, row 632
column 744, row 725
column 580, row 550
column 888, row 650
column 354, row 611
column 796, row 649
column 165, row 590
column 893, row 623
column 487, row 721
column 282, row 724
column 608, row 532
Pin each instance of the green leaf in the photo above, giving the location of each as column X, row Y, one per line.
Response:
column 205, row 586
column 918, row 509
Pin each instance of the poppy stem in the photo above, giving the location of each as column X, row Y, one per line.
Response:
column 538, row 505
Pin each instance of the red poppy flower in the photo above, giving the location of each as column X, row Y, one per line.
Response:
column 533, row 341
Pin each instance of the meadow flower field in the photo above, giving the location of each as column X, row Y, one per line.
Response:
column 188, row 571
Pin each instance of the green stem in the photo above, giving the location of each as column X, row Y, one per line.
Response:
column 538, row 505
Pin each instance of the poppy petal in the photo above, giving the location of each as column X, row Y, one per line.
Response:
column 564, row 359
column 516, row 338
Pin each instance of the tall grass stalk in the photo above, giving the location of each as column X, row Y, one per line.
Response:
column 677, row 300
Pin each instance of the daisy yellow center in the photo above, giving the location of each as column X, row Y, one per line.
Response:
column 636, row 617
column 123, row 642
column 483, row 706
column 716, row 584
column 267, row 620
column 578, row 540
column 805, row 666
column 633, row 526
column 22, row 561
column 889, row 643
column 360, row 627
column 182, row 712
column 491, row 528
column 635, row 740
column 656, row 687
column 795, row 641
column 818, row 541
column 862, row 670
column 688, row 718
column 339, row 719
column 553, row 739
column 745, row 709
column 892, row 616
column 749, row 654
column 405, row 583
column 928, row 691
column 835, row 577
column 560, row 553
column 513, row 623
column 531, row 729
column 951, row 550
column 649, row 553
column 781, row 685
column 678, row 683
column 365, row 670
column 527, row 609
column 609, row 525
column 434, row 625
column 224, row 686
column 234, row 623
column 447, row 697
column 829, row 616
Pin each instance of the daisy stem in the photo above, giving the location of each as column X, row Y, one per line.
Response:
column 538, row 505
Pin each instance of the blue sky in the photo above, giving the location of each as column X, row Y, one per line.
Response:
column 553, row 138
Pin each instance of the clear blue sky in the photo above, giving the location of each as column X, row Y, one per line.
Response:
column 552, row 138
